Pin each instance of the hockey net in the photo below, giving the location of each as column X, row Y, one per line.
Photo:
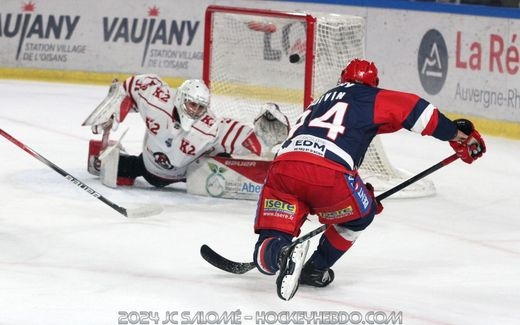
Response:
column 253, row 56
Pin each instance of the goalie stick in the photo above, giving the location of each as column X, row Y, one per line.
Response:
column 143, row 211
column 230, row 266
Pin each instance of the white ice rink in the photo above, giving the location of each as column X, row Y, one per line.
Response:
column 67, row 258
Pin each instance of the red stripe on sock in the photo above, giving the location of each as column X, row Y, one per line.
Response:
column 336, row 240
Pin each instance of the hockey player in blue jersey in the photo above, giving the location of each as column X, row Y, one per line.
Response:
column 316, row 172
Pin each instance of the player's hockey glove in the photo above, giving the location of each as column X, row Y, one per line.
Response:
column 379, row 207
column 473, row 147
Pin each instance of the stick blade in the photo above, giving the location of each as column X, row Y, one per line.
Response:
column 144, row 211
column 223, row 263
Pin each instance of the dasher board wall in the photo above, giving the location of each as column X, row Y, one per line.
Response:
column 464, row 59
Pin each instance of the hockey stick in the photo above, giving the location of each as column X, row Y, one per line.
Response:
column 130, row 213
column 227, row 265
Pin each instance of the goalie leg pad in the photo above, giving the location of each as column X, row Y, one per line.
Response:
column 109, row 166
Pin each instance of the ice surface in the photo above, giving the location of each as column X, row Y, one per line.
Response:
column 67, row 258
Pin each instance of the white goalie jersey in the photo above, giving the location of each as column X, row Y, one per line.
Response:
column 168, row 149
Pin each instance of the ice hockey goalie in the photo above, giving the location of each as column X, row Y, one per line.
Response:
column 180, row 131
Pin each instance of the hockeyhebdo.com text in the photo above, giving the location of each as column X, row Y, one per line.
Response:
column 237, row 317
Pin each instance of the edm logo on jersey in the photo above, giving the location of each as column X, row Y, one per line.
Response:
column 432, row 62
column 309, row 144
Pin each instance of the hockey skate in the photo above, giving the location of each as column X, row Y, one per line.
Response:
column 291, row 264
column 315, row 277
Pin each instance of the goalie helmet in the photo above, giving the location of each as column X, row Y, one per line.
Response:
column 191, row 101
column 360, row 71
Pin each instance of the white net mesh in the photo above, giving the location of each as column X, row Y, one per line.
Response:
column 258, row 56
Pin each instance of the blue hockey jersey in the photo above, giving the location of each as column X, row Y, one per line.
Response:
column 337, row 128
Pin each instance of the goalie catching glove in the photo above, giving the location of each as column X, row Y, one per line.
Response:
column 471, row 147
column 271, row 126
column 111, row 111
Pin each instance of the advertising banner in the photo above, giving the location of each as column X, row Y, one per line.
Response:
column 108, row 36
column 464, row 64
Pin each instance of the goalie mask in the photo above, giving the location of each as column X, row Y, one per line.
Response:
column 191, row 101
column 360, row 71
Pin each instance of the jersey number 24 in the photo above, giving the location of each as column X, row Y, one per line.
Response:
column 332, row 120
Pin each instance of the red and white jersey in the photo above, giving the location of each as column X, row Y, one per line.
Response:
column 168, row 150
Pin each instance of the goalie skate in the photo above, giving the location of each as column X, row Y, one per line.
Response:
column 291, row 264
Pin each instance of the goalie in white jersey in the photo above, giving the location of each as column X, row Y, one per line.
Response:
column 179, row 130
